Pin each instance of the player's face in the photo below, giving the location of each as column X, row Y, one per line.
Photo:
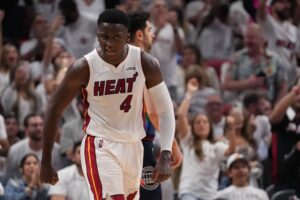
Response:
column 148, row 37
column 112, row 40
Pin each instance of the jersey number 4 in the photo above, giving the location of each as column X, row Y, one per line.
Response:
column 125, row 105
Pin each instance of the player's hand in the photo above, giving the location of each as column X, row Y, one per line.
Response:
column 162, row 170
column 176, row 155
column 48, row 174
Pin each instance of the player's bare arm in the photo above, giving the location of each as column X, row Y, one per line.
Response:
column 76, row 77
column 163, row 104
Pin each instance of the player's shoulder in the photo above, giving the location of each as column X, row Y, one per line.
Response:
column 80, row 66
column 148, row 60
column 80, row 62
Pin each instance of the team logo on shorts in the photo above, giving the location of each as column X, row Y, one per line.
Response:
column 147, row 183
column 100, row 143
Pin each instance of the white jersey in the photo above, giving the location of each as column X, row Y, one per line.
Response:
column 114, row 98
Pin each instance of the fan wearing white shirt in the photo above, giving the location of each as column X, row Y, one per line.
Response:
column 239, row 171
column 281, row 34
column 201, row 155
column 71, row 184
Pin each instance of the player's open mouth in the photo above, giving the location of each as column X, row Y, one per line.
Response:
column 110, row 52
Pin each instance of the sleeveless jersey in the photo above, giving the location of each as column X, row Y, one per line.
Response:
column 114, row 98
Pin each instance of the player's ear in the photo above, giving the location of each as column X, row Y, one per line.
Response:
column 139, row 35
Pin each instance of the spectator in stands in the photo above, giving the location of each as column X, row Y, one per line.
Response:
column 55, row 63
column 285, row 120
column 20, row 97
column 281, row 34
column 12, row 128
column 292, row 168
column 71, row 184
column 199, row 98
column 72, row 132
column 176, row 12
column 33, row 124
column 239, row 172
column 28, row 186
column 9, row 59
column 192, row 56
column 33, row 48
column 245, row 143
column 256, row 67
column 214, row 111
column 201, row 156
column 169, row 39
column 74, row 32
column 213, row 35
column 129, row 5
column 267, row 108
column 4, row 146
column 254, row 103
column 90, row 8
column 49, row 8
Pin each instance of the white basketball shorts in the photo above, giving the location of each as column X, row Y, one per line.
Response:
column 112, row 168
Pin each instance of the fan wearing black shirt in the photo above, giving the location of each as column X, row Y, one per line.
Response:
column 285, row 120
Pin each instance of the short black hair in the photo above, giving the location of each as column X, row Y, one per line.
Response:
column 252, row 97
column 30, row 115
column 76, row 144
column 138, row 21
column 67, row 5
column 10, row 115
column 113, row 16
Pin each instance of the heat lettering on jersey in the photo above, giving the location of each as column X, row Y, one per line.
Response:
column 108, row 87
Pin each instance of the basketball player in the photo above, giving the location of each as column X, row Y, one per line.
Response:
column 112, row 80
column 142, row 36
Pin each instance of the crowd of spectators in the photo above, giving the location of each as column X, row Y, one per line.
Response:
column 231, row 68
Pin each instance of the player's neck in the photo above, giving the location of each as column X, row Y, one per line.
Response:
column 138, row 44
